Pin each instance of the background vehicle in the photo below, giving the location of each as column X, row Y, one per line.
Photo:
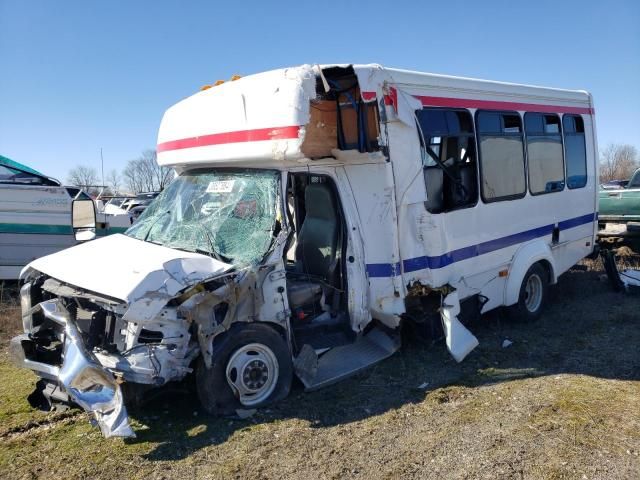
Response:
column 614, row 184
column 140, row 203
column 35, row 217
column 619, row 217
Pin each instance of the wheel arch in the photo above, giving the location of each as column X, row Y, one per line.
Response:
column 217, row 342
column 526, row 256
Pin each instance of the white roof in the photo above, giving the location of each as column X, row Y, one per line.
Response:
column 260, row 119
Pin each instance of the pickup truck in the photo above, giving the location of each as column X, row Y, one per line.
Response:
column 619, row 217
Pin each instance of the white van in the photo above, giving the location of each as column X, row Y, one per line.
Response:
column 316, row 210
column 35, row 217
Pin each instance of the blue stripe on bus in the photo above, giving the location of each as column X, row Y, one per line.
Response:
column 380, row 270
column 576, row 222
column 383, row 269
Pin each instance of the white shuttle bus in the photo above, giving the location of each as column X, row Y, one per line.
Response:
column 316, row 210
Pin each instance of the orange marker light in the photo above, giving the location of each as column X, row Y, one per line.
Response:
column 503, row 273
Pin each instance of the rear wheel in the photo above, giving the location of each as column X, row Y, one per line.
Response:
column 533, row 295
column 251, row 368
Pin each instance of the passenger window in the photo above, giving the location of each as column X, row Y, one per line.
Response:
column 544, row 153
column 501, row 155
column 575, row 150
column 448, row 152
column 10, row 175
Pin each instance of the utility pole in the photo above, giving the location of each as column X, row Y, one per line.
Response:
column 102, row 167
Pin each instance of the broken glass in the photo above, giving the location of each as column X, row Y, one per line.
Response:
column 230, row 215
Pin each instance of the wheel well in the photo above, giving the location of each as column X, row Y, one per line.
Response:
column 279, row 329
column 548, row 268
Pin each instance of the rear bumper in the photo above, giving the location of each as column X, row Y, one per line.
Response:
column 81, row 376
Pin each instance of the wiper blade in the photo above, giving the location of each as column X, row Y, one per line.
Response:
column 217, row 255
column 213, row 253
column 153, row 224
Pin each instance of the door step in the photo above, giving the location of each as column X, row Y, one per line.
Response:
column 324, row 331
column 325, row 339
column 341, row 362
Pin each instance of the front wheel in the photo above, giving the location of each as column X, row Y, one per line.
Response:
column 533, row 295
column 251, row 368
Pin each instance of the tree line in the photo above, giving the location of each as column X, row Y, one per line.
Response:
column 142, row 174
column 618, row 162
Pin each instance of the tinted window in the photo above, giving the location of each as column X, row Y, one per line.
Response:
column 635, row 180
column 501, row 156
column 448, row 151
column 11, row 175
column 575, row 151
column 489, row 122
column 544, row 153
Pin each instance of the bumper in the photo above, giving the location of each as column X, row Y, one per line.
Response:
column 82, row 377
column 618, row 229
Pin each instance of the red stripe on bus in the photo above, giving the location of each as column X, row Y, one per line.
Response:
column 392, row 99
column 240, row 136
column 497, row 105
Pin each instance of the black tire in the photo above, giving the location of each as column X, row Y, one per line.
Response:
column 215, row 392
column 525, row 309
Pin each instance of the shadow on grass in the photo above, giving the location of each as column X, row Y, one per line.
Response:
column 587, row 330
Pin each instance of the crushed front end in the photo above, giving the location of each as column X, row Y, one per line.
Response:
column 84, row 349
column 54, row 348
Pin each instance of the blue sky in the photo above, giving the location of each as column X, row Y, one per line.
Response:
column 76, row 76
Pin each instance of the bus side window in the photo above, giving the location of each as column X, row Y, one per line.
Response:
column 448, row 149
column 544, row 153
column 575, row 150
column 501, row 155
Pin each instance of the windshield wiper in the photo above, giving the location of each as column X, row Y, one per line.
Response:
column 153, row 224
column 213, row 253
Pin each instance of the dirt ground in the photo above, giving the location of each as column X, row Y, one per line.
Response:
column 563, row 401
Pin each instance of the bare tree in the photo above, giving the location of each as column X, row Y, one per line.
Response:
column 618, row 162
column 113, row 181
column 83, row 177
column 145, row 175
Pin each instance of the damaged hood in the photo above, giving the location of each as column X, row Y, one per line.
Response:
column 125, row 268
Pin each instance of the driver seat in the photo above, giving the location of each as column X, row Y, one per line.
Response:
column 317, row 247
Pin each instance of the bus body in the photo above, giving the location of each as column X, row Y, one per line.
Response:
column 316, row 210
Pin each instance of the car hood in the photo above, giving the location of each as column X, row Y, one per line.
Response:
column 127, row 269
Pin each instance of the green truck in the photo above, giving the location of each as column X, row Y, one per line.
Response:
column 619, row 217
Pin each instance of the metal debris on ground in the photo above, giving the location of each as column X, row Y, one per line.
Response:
column 627, row 281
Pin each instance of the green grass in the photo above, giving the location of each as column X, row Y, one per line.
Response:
column 561, row 402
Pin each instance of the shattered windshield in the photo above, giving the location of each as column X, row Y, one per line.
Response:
column 230, row 215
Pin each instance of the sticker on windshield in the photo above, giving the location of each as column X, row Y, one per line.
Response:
column 220, row 186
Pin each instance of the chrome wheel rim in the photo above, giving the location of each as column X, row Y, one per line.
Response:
column 533, row 293
column 252, row 373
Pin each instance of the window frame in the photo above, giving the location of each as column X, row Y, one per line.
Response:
column 502, row 134
column 473, row 136
column 544, row 134
column 584, row 141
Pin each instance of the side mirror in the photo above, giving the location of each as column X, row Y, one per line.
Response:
column 83, row 219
